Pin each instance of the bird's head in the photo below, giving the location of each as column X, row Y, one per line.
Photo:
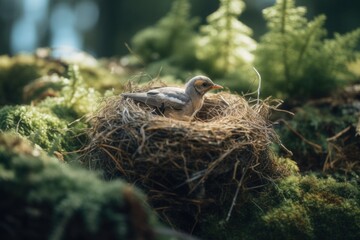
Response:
column 200, row 85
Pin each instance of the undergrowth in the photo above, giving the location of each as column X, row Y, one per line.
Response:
column 295, row 57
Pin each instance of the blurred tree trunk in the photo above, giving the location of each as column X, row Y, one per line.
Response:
column 108, row 26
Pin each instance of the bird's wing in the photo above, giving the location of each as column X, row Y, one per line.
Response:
column 167, row 97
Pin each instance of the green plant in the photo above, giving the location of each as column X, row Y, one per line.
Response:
column 225, row 45
column 172, row 37
column 296, row 59
column 76, row 95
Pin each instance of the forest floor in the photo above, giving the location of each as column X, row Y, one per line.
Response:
column 49, row 103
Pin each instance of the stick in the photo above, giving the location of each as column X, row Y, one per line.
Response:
column 317, row 147
column 338, row 134
column 237, row 192
column 259, row 86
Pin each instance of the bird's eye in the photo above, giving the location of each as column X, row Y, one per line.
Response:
column 205, row 84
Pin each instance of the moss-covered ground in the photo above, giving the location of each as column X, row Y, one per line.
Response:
column 44, row 105
column 298, row 207
column 42, row 198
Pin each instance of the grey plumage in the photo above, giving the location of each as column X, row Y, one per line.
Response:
column 167, row 97
column 179, row 103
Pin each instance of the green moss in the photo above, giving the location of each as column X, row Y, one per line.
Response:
column 297, row 207
column 44, row 199
column 55, row 123
column 39, row 125
column 290, row 221
column 288, row 164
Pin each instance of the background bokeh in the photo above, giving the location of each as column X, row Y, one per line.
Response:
column 102, row 27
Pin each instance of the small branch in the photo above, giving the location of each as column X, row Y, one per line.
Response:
column 339, row 134
column 317, row 147
column 240, row 184
column 290, row 153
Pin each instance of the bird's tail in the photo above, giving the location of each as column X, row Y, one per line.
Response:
column 140, row 97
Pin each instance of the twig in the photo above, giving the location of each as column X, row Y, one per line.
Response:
column 189, row 179
column 121, row 169
column 143, row 138
column 237, row 192
column 282, row 110
column 317, row 147
column 136, row 55
column 212, row 165
column 339, row 134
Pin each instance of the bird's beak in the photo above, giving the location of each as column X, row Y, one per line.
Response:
column 216, row 86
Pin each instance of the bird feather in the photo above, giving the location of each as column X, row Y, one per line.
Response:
column 168, row 97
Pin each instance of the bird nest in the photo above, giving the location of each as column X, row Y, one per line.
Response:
column 185, row 167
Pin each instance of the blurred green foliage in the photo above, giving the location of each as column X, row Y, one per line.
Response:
column 45, row 199
column 76, row 95
column 25, row 78
column 54, row 123
column 224, row 45
column 16, row 72
column 222, row 48
column 171, row 39
column 294, row 57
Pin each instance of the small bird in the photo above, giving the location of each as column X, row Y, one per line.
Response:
column 174, row 102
